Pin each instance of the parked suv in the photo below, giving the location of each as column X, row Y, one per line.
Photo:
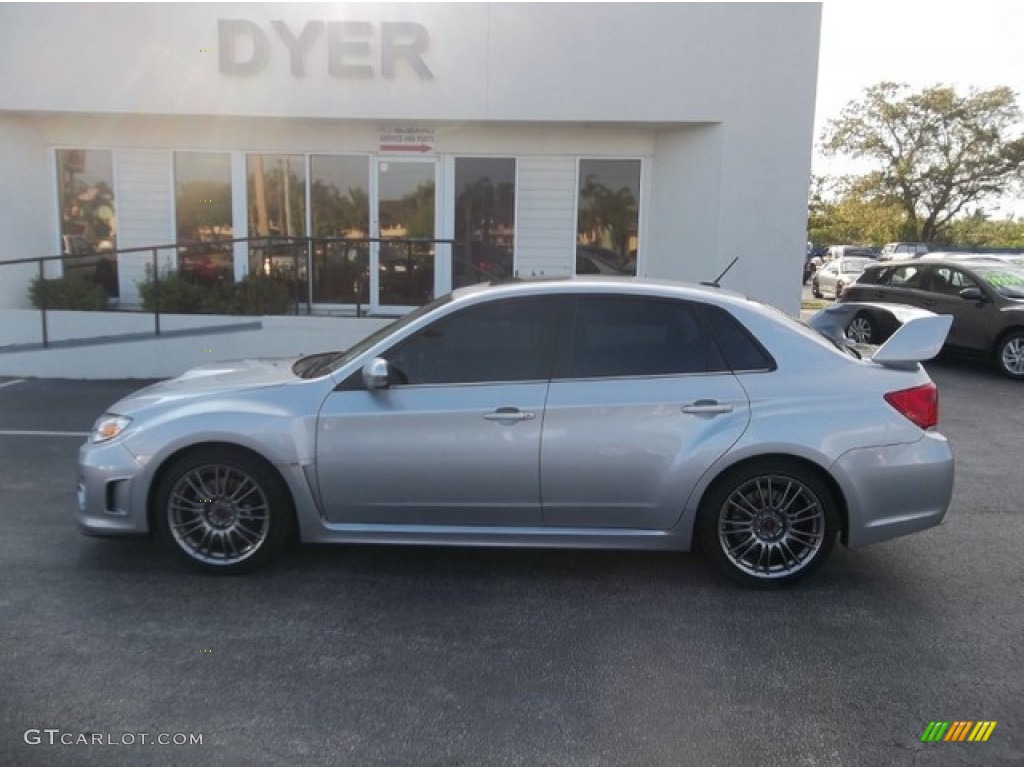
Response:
column 903, row 251
column 985, row 296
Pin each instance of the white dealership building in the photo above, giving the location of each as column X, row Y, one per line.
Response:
column 529, row 140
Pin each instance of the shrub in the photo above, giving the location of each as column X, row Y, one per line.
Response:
column 68, row 292
column 262, row 295
column 253, row 295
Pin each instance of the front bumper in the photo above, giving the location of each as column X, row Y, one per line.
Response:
column 894, row 490
column 108, row 501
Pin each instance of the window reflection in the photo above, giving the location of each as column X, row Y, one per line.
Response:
column 484, row 219
column 406, row 212
column 277, row 208
column 88, row 222
column 202, row 210
column 608, row 217
column 340, row 203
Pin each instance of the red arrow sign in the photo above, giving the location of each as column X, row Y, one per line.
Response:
column 405, row 147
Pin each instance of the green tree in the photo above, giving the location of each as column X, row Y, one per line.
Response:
column 979, row 231
column 852, row 216
column 934, row 153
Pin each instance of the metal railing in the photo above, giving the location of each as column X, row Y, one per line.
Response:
column 318, row 270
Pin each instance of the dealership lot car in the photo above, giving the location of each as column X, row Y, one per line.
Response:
column 984, row 296
column 608, row 413
column 837, row 274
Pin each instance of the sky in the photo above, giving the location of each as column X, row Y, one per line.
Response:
column 975, row 43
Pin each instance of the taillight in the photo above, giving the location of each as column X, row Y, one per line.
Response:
column 919, row 404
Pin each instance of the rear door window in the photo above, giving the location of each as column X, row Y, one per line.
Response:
column 615, row 336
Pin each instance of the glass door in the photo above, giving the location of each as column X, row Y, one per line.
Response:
column 404, row 217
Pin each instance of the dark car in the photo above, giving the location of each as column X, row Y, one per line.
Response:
column 985, row 297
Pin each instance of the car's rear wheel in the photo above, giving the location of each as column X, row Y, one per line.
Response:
column 223, row 510
column 838, row 291
column 1010, row 354
column 768, row 523
column 815, row 289
column 861, row 329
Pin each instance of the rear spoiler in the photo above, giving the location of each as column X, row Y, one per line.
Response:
column 918, row 336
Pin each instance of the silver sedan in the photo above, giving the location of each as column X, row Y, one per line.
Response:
column 609, row 413
column 837, row 274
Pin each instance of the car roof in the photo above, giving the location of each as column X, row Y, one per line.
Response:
column 605, row 284
column 966, row 260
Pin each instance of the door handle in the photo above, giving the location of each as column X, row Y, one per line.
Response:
column 709, row 407
column 509, row 414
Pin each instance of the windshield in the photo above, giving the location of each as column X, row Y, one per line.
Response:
column 1006, row 280
column 322, row 363
column 855, row 265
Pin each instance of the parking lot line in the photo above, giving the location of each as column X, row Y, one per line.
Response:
column 11, row 383
column 39, row 433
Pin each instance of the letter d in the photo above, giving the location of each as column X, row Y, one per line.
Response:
column 228, row 33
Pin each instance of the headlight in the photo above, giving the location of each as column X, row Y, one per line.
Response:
column 107, row 427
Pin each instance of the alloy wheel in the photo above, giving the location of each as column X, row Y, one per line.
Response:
column 218, row 514
column 1011, row 356
column 771, row 527
column 860, row 330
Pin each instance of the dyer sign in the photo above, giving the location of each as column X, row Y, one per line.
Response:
column 355, row 49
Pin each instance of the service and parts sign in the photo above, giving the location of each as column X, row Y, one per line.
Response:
column 406, row 140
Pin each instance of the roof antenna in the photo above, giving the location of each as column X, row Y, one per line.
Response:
column 716, row 283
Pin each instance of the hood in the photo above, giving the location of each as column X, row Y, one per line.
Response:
column 215, row 378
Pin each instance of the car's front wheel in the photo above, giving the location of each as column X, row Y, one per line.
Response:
column 861, row 330
column 1010, row 354
column 815, row 289
column 768, row 523
column 223, row 510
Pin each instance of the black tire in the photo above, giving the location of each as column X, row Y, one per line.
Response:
column 862, row 329
column 838, row 291
column 1010, row 355
column 815, row 290
column 223, row 510
column 768, row 523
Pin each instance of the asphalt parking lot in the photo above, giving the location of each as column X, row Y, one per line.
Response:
column 384, row 655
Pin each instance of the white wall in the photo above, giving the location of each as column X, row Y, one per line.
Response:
column 546, row 217
column 490, row 61
column 683, row 220
column 27, row 213
column 143, row 204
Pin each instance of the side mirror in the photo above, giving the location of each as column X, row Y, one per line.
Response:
column 376, row 374
column 972, row 294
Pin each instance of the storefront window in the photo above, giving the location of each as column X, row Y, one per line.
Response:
column 202, row 206
column 88, row 222
column 340, row 201
column 406, row 210
column 485, row 211
column 608, row 217
column 277, row 209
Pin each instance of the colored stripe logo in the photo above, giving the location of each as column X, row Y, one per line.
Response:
column 958, row 730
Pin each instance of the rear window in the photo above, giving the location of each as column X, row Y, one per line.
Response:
column 742, row 352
